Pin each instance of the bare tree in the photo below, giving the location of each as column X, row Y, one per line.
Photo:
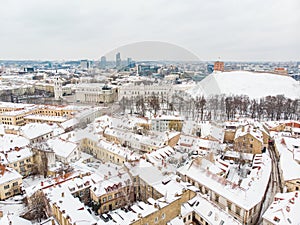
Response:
column 140, row 106
column 154, row 104
column 229, row 107
column 37, row 207
column 200, row 106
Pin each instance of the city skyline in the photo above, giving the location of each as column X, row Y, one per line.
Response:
column 231, row 30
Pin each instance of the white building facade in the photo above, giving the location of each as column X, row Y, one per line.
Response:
column 58, row 90
column 96, row 93
column 132, row 90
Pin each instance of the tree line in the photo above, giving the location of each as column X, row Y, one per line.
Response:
column 216, row 107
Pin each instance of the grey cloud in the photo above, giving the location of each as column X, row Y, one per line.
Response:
column 232, row 29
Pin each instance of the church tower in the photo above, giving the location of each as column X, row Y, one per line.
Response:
column 58, row 93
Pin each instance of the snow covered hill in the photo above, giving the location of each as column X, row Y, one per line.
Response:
column 255, row 85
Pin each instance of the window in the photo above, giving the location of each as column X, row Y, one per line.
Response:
column 229, row 204
column 216, row 198
column 238, row 210
column 104, row 199
column 163, row 216
column 15, row 184
column 6, row 186
column 109, row 197
column 250, row 212
column 156, row 220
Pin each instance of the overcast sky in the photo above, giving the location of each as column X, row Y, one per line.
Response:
column 78, row 29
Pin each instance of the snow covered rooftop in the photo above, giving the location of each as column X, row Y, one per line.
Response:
column 160, row 154
column 284, row 209
column 139, row 209
column 34, row 130
column 249, row 129
column 62, row 148
column 153, row 140
column 8, row 174
column 247, row 195
column 146, row 171
column 255, row 85
column 15, row 105
column 10, row 141
column 11, row 219
column 169, row 188
column 58, row 119
column 104, row 186
column 18, row 154
column 72, row 207
column 69, row 123
column 118, row 150
column 167, row 117
column 207, row 210
column 286, row 147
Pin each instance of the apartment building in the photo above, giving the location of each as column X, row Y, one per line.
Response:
column 283, row 210
column 248, row 139
column 288, row 148
column 10, row 182
column 113, row 193
column 242, row 198
column 143, row 143
column 107, row 151
column 20, row 159
column 167, row 123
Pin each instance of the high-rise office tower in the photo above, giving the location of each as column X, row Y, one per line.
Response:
column 103, row 62
column 85, row 64
column 118, row 60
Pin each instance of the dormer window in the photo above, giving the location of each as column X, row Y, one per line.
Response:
column 72, row 189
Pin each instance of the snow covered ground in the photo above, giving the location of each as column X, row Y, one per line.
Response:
column 255, row 85
column 12, row 205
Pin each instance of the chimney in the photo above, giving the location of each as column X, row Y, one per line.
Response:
column 63, row 194
column 53, row 222
column 1, row 213
column 42, row 183
column 2, row 169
